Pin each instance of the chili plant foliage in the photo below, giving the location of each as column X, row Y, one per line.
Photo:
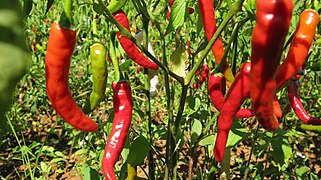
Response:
column 253, row 113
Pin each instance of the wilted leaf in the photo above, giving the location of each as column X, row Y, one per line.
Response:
column 177, row 61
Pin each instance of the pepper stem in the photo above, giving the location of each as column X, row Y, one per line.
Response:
column 65, row 18
column 113, row 57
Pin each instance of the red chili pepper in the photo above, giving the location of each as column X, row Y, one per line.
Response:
column 273, row 21
column 123, row 106
column 60, row 48
column 300, row 45
column 129, row 47
column 170, row 3
column 234, row 98
column 208, row 18
column 203, row 77
column 191, row 10
column 217, row 98
column 297, row 105
column 276, row 107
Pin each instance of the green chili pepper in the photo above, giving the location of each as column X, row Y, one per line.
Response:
column 99, row 73
column 116, row 5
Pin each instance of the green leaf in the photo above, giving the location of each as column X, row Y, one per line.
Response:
column 59, row 154
column 207, row 140
column 196, row 130
column 55, row 160
column 313, row 176
column 237, row 134
column 44, row 167
column 178, row 15
column 302, row 172
column 89, row 173
column 177, row 61
column 80, row 152
column 138, row 151
column 194, row 104
column 282, row 151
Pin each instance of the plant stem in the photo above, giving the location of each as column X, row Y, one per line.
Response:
column 94, row 26
column 151, row 168
column 180, row 109
column 114, row 59
column 67, row 9
column 169, row 110
column 236, row 7
column 66, row 17
column 213, row 120
column 226, row 166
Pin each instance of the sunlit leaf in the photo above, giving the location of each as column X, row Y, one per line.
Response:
column 196, row 130
column 178, row 15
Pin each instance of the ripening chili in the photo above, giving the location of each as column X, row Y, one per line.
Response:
column 297, row 105
column 99, row 73
column 202, row 78
column 273, row 21
column 60, row 48
column 209, row 23
column 234, row 98
column 299, row 48
column 129, row 47
column 123, row 107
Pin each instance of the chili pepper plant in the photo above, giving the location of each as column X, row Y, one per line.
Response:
column 111, row 90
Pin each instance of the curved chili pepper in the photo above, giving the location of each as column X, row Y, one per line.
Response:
column 217, row 98
column 273, row 21
column 123, row 106
column 60, row 48
column 209, row 23
column 129, row 47
column 234, row 98
column 203, row 77
column 299, row 48
column 99, row 73
column 297, row 105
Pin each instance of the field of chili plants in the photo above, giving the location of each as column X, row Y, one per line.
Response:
column 178, row 89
